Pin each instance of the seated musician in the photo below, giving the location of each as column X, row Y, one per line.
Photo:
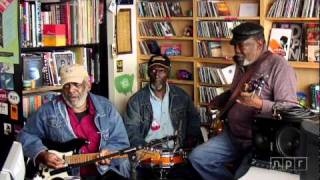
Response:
column 161, row 109
column 239, row 106
column 77, row 114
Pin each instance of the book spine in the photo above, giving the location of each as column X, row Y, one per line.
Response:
column 68, row 23
column 32, row 107
column 39, row 26
column 25, row 106
column 315, row 96
column 37, row 102
column 27, row 23
column 33, row 22
column 22, row 26
column 45, row 70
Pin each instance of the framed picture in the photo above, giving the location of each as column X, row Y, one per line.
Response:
column 61, row 59
column 124, row 41
column 32, row 69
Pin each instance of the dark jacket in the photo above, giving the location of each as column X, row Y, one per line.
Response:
column 138, row 117
column 280, row 88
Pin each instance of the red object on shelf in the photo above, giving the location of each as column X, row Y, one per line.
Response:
column 54, row 29
column 54, row 35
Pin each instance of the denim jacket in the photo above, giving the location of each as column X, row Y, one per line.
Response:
column 52, row 122
column 139, row 115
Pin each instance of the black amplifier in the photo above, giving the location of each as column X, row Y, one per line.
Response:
column 288, row 145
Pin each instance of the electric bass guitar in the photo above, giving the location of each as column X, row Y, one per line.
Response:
column 68, row 147
column 71, row 159
column 80, row 160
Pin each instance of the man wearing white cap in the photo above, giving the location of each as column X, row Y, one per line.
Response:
column 77, row 114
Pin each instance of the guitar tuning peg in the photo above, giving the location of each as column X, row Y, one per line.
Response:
column 259, row 91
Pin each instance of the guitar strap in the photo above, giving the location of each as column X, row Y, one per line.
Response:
column 245, row 78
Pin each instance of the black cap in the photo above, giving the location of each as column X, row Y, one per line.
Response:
column 244, row 31
column 161, row 60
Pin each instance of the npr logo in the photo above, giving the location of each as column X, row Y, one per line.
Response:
column 289, row 163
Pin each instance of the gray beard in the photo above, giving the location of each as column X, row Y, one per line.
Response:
column 246, row 62
column 80, row 102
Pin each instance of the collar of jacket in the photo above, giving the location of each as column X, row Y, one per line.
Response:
column 99, row 109
column 172, row 95
column 146, row 92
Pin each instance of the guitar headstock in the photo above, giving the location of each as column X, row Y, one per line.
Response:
column 255, row 86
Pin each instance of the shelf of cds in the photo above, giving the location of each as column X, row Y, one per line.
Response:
column 198, row 33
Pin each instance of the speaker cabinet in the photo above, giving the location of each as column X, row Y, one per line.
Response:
column 280, row 145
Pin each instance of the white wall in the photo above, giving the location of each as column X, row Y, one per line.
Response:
column 129, row 60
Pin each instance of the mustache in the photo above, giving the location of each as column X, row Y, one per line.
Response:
column 158, row 84
column 239, row 59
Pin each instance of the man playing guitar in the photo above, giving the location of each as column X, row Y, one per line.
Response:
column 239, row 106
column 77, row 113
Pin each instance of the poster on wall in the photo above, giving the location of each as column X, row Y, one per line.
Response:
column 124, row 83
column 9, row 41
column 124, row 42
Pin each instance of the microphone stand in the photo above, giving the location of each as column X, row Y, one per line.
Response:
column 178, row 135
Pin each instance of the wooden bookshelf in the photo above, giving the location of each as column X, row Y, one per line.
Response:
column 227, row 18
column 174, row 81
column 81, row 36
column 56, row 48
column 307, row 72
column 214, row 39
column 41, row 90
column 292, row 19
column 166, row 18
column 305, row 65
column 166, row 38
column 226, row 60
column 213, row 85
